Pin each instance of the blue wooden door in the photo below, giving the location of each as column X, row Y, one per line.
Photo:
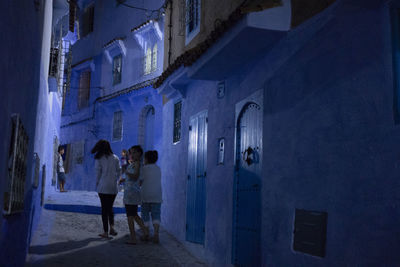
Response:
column 196, row 187
column 247, row 185
column 149, row 130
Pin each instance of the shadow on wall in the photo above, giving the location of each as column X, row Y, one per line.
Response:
column 322, row 65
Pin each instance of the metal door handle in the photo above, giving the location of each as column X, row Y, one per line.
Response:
column 247, row 158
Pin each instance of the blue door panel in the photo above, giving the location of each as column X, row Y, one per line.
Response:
column 196, row 190
column 247, row 186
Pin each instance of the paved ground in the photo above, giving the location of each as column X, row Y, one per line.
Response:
column 71, row 239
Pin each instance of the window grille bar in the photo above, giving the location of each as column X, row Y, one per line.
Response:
column 15, row 190
column 117, row 126
column 177, row 122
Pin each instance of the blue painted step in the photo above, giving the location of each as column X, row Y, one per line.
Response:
column 82, row 208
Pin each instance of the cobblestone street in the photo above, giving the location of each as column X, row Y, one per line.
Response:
column 71, row 238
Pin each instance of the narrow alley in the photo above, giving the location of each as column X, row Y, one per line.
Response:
column 249, row 132
column 71, row 238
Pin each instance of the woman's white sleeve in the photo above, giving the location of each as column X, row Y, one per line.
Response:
column 97, row 167
column 118, row 167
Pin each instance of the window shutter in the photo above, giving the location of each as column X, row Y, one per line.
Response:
column 117, row 126
column 117, row 69
column 177, row 121
column 84, row 89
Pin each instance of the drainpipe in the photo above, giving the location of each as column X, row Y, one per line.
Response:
column 170, row 31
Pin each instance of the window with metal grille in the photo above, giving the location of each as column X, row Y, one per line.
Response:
column 87, row 21
column 117, row 126
column 78, row 149
column 182, row 18
column 36, row 159
column 17, row 162
column 84, row 89
column 53, row 66
column 117, row 69
column 192, row 19
column 43, row 185
column 177, row 121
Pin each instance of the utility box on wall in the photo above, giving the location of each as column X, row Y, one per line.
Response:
column 310, row 232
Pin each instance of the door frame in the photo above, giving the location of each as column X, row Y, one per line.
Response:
column 257, row 98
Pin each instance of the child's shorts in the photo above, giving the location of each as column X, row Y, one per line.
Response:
column 154, row 209
column 131, row 210
column 61, row 176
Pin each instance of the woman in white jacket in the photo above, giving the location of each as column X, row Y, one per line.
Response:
column 108, row 170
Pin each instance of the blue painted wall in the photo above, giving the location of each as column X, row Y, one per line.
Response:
column 330, row 142
column 96, row 121
column 110, row 21
column 25, row 91
column 82, row 176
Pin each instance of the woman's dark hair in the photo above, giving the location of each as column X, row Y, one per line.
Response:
column 101, row 148
column 151, row 156
column 60, row 148
column 138, row 148
column 125, row 152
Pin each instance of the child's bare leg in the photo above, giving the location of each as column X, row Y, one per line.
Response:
column 112, row 230
column 144, row 229
column 156, row 238
column 156, row 219
column 131, row 224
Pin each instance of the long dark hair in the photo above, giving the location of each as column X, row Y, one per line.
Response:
column 101, row 148
column 137, row 148
column 60, row 148
column 151, row 156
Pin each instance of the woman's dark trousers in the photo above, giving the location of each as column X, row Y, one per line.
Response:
column 107, row 214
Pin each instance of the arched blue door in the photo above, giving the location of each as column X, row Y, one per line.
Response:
column 149, row 130
column 247, row 186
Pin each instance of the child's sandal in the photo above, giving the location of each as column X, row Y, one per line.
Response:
column 113, row 232
column 130, row 242
column 156, row 240
column 105, row 235
column 145, row 238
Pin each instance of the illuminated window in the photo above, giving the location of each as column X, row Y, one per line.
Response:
column 147, row 61
column 117, row 69
column 150, row 59
column 154, row 58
